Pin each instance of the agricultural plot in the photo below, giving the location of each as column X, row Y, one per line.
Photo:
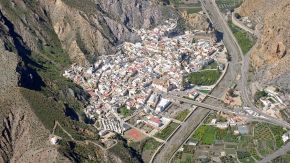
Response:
column 262, row 140
column 167, row 131
column 208, row 134
column 277, row 132
column 205, row 134
column 190, row 7
column 228, row 5
column 182, row 115
column 204, row 78
column 245, row 40
column 183, row 157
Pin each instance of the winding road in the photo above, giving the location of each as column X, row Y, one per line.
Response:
column 188, row 126
column 212, row 8
column 239, row 64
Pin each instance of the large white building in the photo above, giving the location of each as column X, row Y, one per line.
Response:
column 162, row 105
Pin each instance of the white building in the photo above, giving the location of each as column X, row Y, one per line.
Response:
column 162, row 105
column 285, row 137
column 54, row 140
column 193, row 95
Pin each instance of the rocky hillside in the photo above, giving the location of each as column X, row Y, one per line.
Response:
column 271, row 56
column 84, row 29
column 23, row 138
column 38, row 40
column 197, row 21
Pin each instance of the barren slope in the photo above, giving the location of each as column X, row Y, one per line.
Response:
column 272, row 56
column 23, row 138
column 38, row 39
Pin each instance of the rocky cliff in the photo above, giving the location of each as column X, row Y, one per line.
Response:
column 38, row 39
column 23, row 138
column 84, row 29
column 271, row 56
column 197, row 21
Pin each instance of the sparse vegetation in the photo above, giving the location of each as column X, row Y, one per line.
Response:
column 167, row 131
column 125, row 153
column 146, row 148
column 182, row 115
column 151, row 144
column 79, row 152
column 48, row 110
column 245, row 40
column 59, row 132
column 88, row 6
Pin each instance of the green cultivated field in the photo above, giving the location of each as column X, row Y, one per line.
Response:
column 204, row 78
column 165, row 133
column 262, row 140
column 190, row 8
column 208, row 134
column 277, row 132
column 228, row 5
column 182, row 115
column 265, row 140
column 245, row 40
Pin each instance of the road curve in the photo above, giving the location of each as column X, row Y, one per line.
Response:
column 211, row 6
column 279, row 152
column 187, row 127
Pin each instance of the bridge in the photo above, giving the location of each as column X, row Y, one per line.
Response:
column 248, row 113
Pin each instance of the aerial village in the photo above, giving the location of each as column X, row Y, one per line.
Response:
column 273, row 102
column 135, row 78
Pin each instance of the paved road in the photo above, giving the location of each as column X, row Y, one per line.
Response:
column 241, row 112
column 199, row 104
column 199, row 114
column 212, row 8
column 181, row 134
column 190, row 124
column 279, row 152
